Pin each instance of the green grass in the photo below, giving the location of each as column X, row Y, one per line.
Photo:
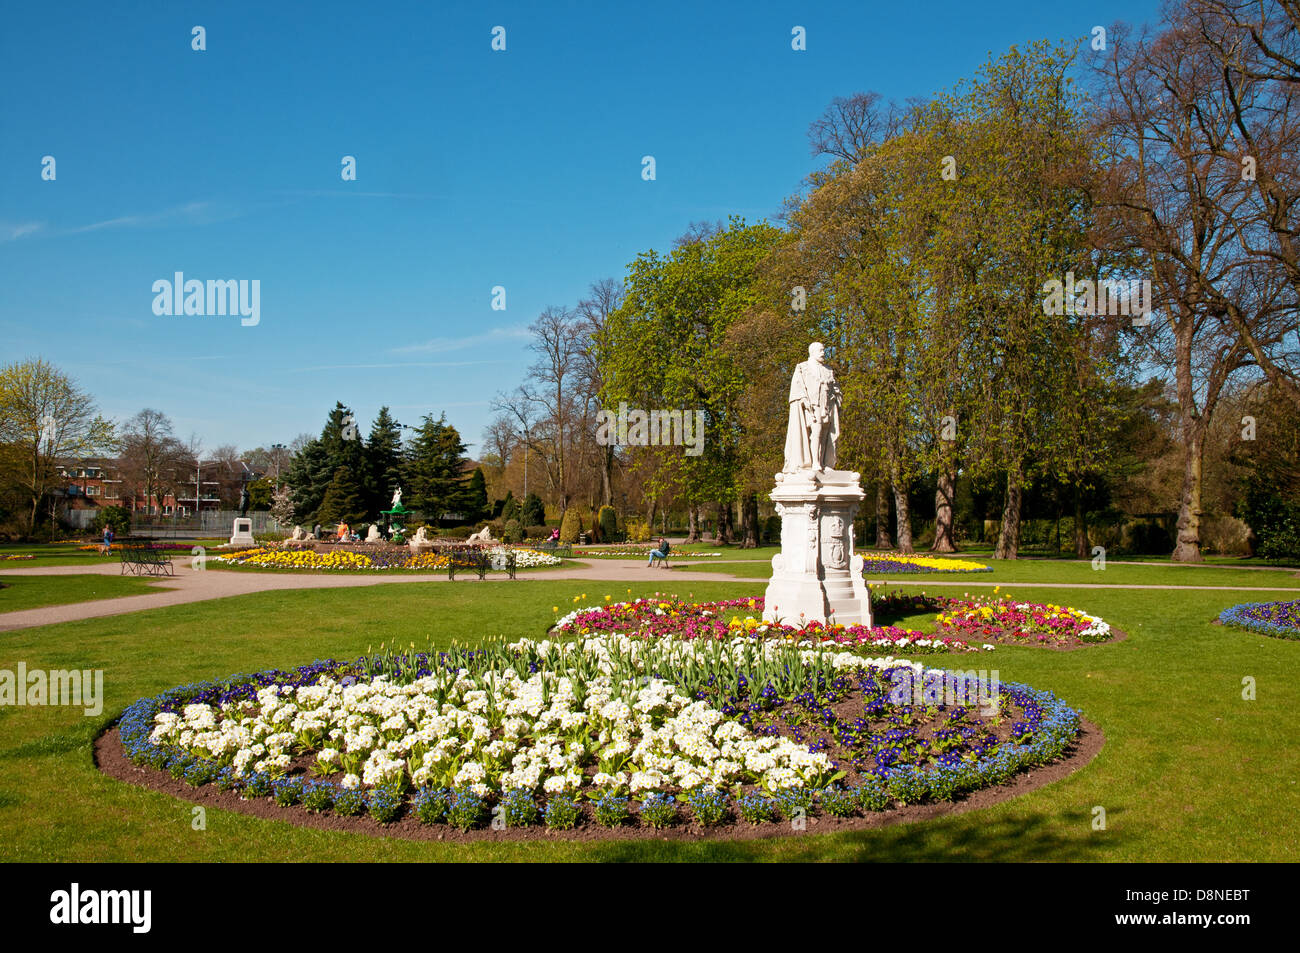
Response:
column 1190, row 771
column 1042, row 571
column 32, row 592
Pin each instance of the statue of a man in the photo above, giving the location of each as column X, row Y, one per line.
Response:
column 243, row 500
column 814, row 425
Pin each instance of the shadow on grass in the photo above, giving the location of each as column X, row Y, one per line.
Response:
column 965, row 839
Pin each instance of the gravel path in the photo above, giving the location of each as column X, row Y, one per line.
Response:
column 189, row 585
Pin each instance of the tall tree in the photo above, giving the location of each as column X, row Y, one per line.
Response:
column 433, row 474
column 383, row 460
column 45, row 417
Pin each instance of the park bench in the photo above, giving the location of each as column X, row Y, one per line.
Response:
column 140, row 559
column 481, row 561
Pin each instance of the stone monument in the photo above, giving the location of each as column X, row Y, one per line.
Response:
column 374, row 535
column 242, row 532
column 816, row 577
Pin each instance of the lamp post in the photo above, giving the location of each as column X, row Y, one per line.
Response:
column 277, row 455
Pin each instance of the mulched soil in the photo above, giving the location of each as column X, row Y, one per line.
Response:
column 111, row 759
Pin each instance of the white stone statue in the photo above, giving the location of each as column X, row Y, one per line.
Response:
column 482, row 536
column 298, row 534
column 420, row 541
column 373, row 536
column 814, row 424
column 817, row 577
column 397, row 499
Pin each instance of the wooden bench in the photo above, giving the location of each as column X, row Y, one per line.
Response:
column 141, row 559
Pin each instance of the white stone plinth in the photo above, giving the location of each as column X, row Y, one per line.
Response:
column 241, row 534
column 817, row 577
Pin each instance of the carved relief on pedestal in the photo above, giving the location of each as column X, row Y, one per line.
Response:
column 812, row 550
column 837, row 554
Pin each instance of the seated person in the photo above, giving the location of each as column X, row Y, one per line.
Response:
column 659, row 553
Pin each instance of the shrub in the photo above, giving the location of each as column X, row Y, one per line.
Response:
column 513, row 532
column 510, row 510
column 659, row 810
column 755, row 808
column 611, row 810
column 537, row 532
column 384, row 804
column 533, row 512
column 562, row 812
column 350, row 803
column 607, row 519
column 518, row 809
column 772, row 529
column 708, row 806
column 570, row 525
column 118, row 517
column 637, row 530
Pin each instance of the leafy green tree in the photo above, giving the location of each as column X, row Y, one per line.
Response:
column 666, row 348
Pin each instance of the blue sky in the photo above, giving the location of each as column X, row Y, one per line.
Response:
column 474, row 169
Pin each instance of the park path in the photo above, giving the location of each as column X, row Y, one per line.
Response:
column 190, row 585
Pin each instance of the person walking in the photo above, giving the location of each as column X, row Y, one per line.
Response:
column 108, row 538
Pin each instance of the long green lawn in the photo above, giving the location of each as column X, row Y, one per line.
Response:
column 32, row 592
column 1047, row 571
column 1190, row 770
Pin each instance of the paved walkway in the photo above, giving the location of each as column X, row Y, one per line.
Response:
column 189, row 585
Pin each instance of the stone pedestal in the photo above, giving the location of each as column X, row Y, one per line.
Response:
column 241, row 534
column 817, row 576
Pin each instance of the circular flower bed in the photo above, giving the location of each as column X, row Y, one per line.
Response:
column 1021, row 623
column 611, row 732
column 669, row 618
column 1278, row 619
column 876, row 563
column 348, row 560
column 963, row 625
column 16, row 556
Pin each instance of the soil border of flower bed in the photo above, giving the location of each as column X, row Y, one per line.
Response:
column 110, row 759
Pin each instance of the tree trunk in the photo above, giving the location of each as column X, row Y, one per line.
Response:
column 883, row 539
column 749, row 521
column 903, row 518
column 1188, row 548
column 723, row 532
column 1009, row 534
column 944, row 513
column 693, row 528
column 1081, row 548
column 607, row 477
